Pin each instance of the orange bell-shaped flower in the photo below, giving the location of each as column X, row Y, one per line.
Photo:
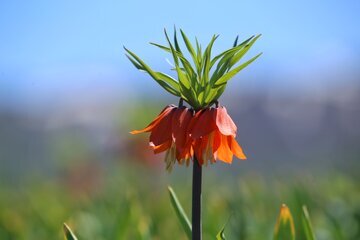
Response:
column 213, row 133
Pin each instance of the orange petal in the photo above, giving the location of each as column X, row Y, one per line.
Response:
column 208, row 153
column 236, row 148
column 180, row 122
column 161, row 132
column 224, row 122
column 162, row 114
column 186, row 152
column 198, row 150
column 203, row 123
column 162, row 147
column 194, row 120
column 224, row 153
column 217, row 141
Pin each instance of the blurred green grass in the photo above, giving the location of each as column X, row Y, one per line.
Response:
column 130, row 201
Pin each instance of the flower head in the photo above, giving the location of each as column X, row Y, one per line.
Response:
column 208, row 135
column 213, row 133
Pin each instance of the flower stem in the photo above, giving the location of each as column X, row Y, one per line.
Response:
column 196, row 201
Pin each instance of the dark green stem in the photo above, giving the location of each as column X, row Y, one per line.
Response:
column 196, row 201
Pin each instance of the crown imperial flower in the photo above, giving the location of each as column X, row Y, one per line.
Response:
column 202, row 132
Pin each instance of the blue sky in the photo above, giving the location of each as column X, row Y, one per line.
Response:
column 51, row 46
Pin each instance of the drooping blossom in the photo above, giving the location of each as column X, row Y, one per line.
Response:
column 213, row 133
column 168, row 132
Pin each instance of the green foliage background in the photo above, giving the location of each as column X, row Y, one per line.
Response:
column 131, row 202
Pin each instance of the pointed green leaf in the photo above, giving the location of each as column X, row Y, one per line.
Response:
column 223, row 65
column 167, row 49
column 236, row 40
column 305, row 219
column 172, row 49
column 201, row 96
column 189, row 70
column 161, row 47
column 246, row 41
column 189, row 46
column 180, row 213
column 206, row 60
column 221, row 234
column 206, row 91
column 187, row 66
column 210, row 96
column 140, row 62
column 176, row 43
column 199, row 57
column 230, row 54
column 168, row 86
column 168, row 79
column 69, row 235
column 226, row 77
column 243, row 51
column 214, row 94
column 183, row 78
column 185, row 91
column 284, row 228
column 219, row 92
column 137, row 65
column 230, row 51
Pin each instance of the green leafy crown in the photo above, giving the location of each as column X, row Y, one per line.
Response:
column 201, row 82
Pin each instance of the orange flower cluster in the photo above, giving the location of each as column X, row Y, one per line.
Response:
column 208, row 135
